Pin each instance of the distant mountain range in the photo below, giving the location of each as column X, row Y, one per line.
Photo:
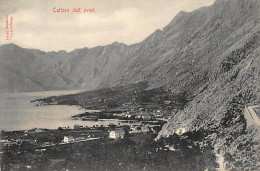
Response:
column 193, row 50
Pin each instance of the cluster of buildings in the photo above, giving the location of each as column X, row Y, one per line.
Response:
column 142, row 114
column 90, row 117
column 114, row 134
column 142, row 128
column 6, row 143
column 35, row 130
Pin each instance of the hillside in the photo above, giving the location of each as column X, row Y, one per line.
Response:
column 190, row 52
column 23, row 70
column 233, row 82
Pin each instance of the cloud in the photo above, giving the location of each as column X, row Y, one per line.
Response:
column 36, row 26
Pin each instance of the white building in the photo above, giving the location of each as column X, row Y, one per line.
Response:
column 145, row 129
column 221, row 162
column 38, row 130
column 68, row 139
column 181, row 131
column 251, row 114
column 171, row 148
column 115, row 134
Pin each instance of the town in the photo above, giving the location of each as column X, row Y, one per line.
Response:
column 124, row 125
column 96, row 148
column 43, row 138
column 38, row 141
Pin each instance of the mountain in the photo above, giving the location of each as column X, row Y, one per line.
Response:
column 172, row 57
column 228, row 42
column 34, row 70
column 212, row 54
column 194, row 48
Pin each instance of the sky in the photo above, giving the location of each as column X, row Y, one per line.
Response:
column 34, row 24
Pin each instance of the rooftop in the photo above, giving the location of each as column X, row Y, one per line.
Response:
column 119, row 130
column 257, row 110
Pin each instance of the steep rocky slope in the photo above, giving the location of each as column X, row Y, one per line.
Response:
column 219, row 108
column 194, row 48
column 190, row 52
column 233, row 81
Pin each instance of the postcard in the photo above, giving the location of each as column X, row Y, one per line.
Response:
column 130, row 85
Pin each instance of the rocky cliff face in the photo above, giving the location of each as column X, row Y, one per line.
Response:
column 231, row 67
column 231, row 61
column 190, row 52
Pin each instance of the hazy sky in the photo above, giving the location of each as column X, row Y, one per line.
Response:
column 35, row 25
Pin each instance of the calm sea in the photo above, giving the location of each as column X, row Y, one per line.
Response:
column 18, row 113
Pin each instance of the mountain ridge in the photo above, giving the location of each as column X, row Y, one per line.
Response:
column 144, row 61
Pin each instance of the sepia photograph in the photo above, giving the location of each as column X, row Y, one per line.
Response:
column 130, row 85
